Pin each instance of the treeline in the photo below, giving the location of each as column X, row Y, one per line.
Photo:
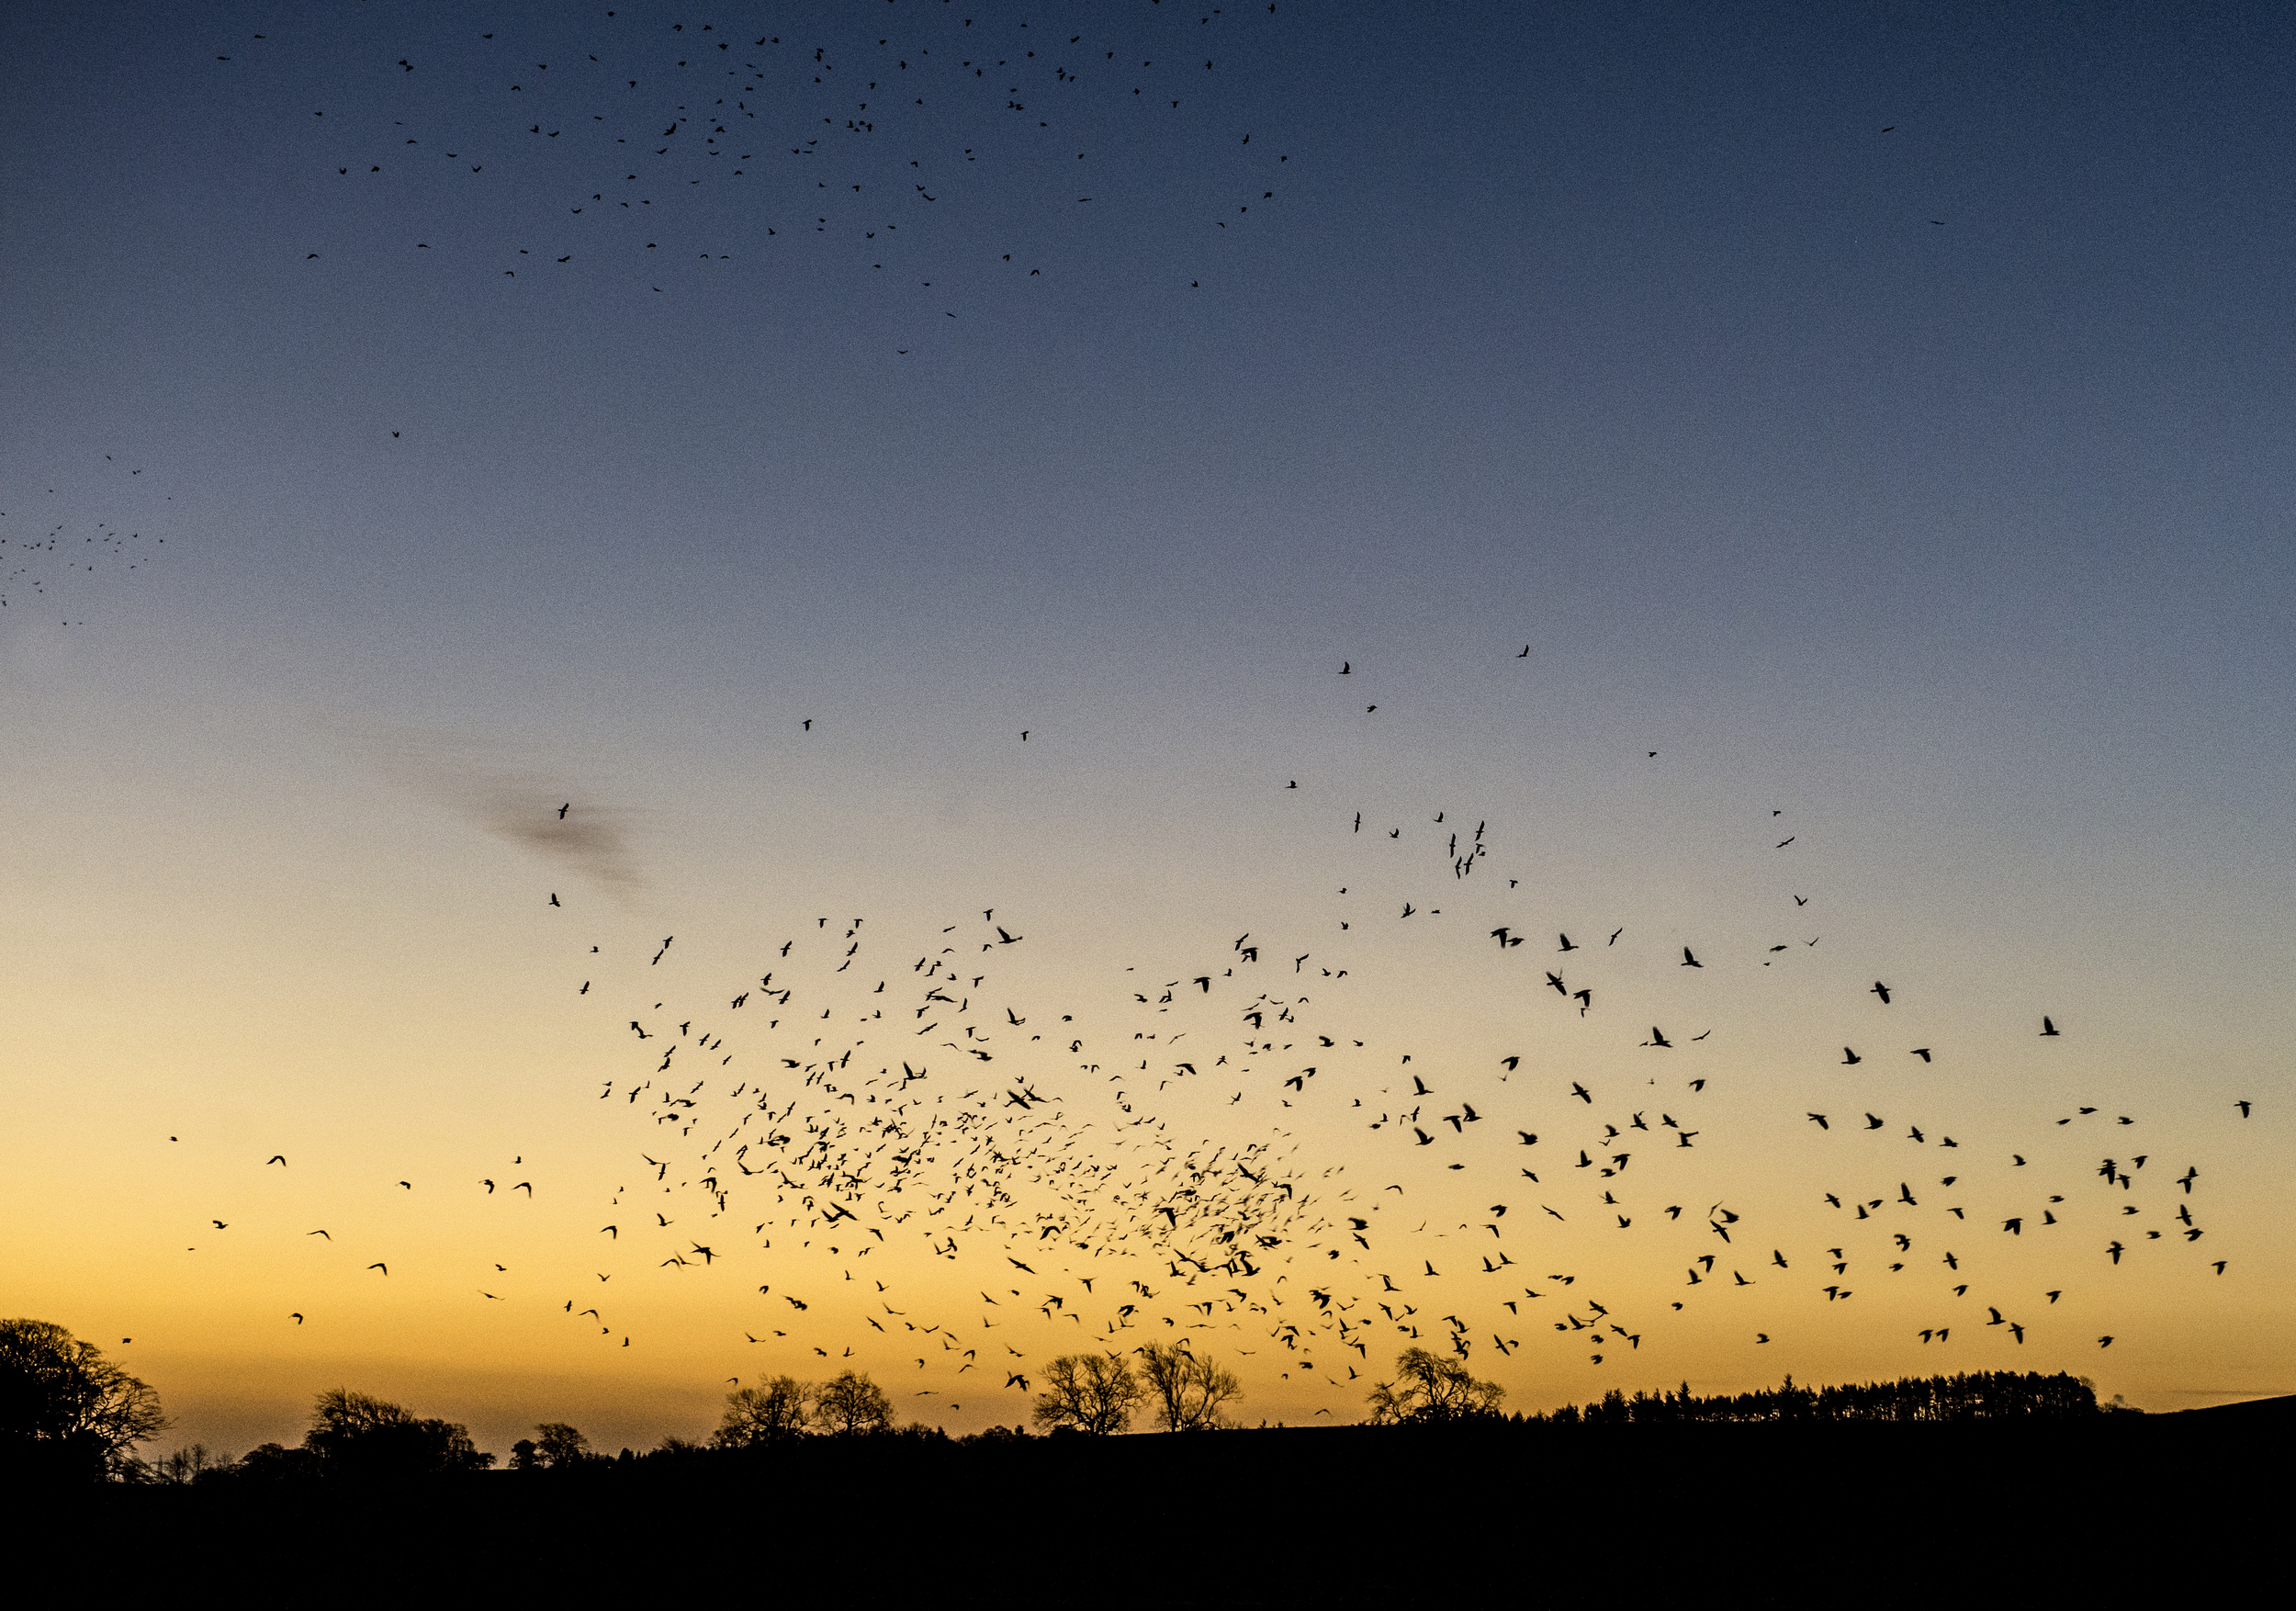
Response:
column 68, row 1415
column 1431, row 1390
column 357, row 1438
column 1987, row 1396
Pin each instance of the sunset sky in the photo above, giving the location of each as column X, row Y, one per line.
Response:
column 1872, row 421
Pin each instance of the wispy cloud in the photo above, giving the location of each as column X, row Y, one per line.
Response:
column 511, row 797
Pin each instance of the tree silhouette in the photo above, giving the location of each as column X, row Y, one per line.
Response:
column 1431, row 1389
column 358, row 1436
column 195, row 1462
column 851, row 1403
column 1092, row 1392
column 766, row 1413
column 66, row 1409
column 1186, row 1391
column 558, row 1445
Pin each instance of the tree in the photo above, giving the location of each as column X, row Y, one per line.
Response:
column 558, row 1445
column 275, row 1462
column 766, row 1413
column 1189, row 1391
column 192, row 1463
column 357, row 1435
column 64, row 1405
column 1092, row 1392
column 851, row 1403
column 1431, row 1389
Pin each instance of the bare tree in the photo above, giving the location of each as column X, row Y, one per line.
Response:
column 61, row 1400
column 766, row 1413
column 192, row 1463
column 1092, row 1392
column 1431, row 1389
column 851, row 1403
column 1186, row 1391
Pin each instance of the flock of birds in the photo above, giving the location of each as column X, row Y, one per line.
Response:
column 875, row 1149
column 946, row 158
column 949, row 151
column 44, row 546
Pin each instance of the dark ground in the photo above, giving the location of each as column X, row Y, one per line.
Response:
column 1861, row 1514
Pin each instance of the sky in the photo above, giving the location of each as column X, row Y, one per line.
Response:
column 1803, row 477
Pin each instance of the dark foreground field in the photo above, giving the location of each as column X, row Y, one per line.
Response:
column 2192, row 1504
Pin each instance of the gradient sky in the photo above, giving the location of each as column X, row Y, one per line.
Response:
column 1879, row 412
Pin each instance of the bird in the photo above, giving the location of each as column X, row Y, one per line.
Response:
column 384, row 1268
column 1882, row 990
column 2047, row 1028
column 1850, row 1057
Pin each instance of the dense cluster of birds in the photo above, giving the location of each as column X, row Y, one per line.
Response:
column 1169, row 1158
column 925, row 145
